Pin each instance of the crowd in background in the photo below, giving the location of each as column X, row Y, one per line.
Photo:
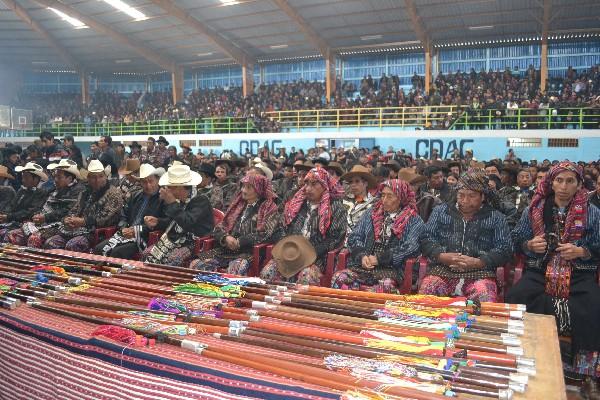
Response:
column 476, row 93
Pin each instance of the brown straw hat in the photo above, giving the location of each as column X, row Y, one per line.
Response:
column 410, row 176
column 131, row 165
column 361, row 172
column 337, row 167
column 293, row 253
column 306, row 166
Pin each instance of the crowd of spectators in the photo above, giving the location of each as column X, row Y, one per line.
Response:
column 475, row 93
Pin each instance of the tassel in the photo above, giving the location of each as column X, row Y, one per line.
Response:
column 120, row 334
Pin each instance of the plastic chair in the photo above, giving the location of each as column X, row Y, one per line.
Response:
column 206, row 243
column 101, row 234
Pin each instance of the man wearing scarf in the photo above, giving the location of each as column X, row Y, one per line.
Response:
column 385, row 236
column 560, row 236
column 251, row 219
column 466, row 241
column 317, row 213
column 98, row 206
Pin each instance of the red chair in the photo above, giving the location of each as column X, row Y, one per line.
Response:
column 206, row 243
column 101, row 234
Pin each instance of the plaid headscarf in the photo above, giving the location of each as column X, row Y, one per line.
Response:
column 264, row 189
column 558, row 271
column 474, row 180
column 407, row 202
column 333, row 190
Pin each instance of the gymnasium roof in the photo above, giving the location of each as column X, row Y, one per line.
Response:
column 197, row 33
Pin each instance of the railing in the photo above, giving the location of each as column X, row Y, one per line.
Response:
column 438, row 117
column 160, row 127
column 526, row 118
column 363, row 117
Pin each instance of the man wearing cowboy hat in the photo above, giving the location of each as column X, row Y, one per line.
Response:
column 186, row 216
column 67, row 188
column 28, row 200
column 135, row 150
column 359, row 200
column 186, row 156
column 315, row 212
column 129, row 185
column 7, row 193
column 132, row 235
column 98, row 206
column 11, row 159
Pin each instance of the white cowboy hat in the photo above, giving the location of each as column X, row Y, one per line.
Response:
column 66, row 165
column 147, row 169
column 266, row 170
column 96, row 166
column 33, row 168
column 257, row 160
column 180, row 175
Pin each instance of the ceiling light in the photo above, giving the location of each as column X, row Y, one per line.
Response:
column 123, row 61
column 73, row 21
column 127, row 9
column 204, row 54
column 229, row 2
column 481, row 27
column 39, row 62
column 371, row 37
column 278, row 46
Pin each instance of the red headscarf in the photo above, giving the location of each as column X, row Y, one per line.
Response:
column 407, row 201
column 264, row 189
column 577, row 215
column 558, row 271
column 333, row 190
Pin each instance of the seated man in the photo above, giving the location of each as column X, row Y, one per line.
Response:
column 315, row 212
column 133, row 233
column 67, row 189
column 98, row 206
column 560, row 236
column 465, row 242
column 129, row 185
column 251, row 219
column 520, row 194
column 7, row 193
column 384, row 238
column 359, row 180
column 186, row 216
column 28, row 200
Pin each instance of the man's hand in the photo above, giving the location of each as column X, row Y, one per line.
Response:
column 128, row 233
column 77, row 222
column 38, row 219
column 167, row 196
column 373, row 261
column 448, row 258
column 232, row 243
column 150, row 221
column 3, row 218
column 568, row 251
column 466, row 263
column 537, row 245
column 366, row 262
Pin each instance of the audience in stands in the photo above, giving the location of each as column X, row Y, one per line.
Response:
column 476, row 93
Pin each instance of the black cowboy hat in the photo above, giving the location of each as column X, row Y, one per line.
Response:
column 207, row 169
column 161, row 139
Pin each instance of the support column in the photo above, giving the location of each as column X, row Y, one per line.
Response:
column 247, row 79
column 544, row 65
column 330, row 76
column 177, row 83
column 85, row 87
column 427, row 70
